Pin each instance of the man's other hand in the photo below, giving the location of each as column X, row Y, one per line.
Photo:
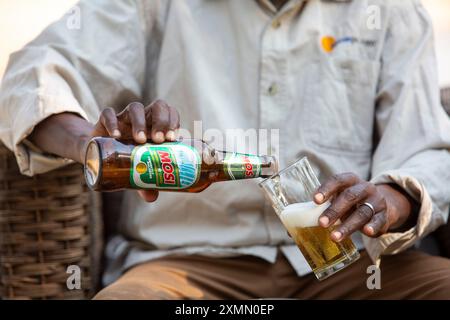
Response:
column 389, row 207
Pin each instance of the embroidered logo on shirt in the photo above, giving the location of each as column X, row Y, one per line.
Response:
column 329, row 43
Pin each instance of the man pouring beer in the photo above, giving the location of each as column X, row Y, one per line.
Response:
column 360, row 101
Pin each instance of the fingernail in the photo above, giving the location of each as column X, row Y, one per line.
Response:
column 324, row 221
column 116, row 133
column 141, row 136
column 170, row 135
column 319, row 197
column 336, row 235
column 369, row 229
column 159, row 136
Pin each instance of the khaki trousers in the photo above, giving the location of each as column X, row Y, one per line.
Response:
column 408, row 275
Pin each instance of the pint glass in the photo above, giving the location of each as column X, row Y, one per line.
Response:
column 291, row 194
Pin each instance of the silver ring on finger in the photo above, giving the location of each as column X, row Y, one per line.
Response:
column 370, row 206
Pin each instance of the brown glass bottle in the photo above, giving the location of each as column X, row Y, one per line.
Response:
column 186, row 165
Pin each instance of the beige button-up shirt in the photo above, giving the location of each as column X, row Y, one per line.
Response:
column 350, row 84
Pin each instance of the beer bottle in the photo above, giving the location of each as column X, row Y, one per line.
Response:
column 186, row 165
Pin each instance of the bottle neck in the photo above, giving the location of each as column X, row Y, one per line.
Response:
column 237, row 166
column 269, row 167
column 224, row 165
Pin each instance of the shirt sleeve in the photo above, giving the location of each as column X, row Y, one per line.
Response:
column 93, row 57
column 413, row 129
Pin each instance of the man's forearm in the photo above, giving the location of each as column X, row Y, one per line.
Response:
column 63, row 134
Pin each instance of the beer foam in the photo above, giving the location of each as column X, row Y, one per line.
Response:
column 303, row 215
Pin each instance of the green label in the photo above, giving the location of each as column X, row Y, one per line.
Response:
column 164, row 166
column 242, row 166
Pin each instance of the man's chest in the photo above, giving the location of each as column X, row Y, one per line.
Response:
column 311, row 71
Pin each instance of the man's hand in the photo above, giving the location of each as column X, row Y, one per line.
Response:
column 67, row 134
column 348, row 193
column 136, row 122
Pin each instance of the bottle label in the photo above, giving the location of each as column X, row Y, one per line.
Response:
column 172, row 166
column 242, row 166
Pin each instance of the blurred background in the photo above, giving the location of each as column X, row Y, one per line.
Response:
column 22, row 20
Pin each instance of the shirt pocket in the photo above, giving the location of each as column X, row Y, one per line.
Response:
column 339, row 104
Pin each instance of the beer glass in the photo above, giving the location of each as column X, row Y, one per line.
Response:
column 291, row 194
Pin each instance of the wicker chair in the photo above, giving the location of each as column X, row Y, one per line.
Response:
column 445, row 98
column 47, row 223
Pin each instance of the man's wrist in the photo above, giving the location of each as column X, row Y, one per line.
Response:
column 82, row 146
column 63, row 134
column 402, row 209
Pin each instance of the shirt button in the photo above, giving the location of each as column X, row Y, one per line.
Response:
column 276, row 24
column 272, row 90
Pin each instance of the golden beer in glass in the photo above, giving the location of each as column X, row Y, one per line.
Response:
column 291, row 192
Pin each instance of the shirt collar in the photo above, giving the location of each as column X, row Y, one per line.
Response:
column 267, row 4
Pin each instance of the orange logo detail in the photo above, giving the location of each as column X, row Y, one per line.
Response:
column 141, row 168
column 328, row 44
